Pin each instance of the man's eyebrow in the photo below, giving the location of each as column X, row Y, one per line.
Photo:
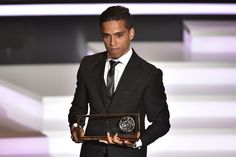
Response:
column 113, row 33
column 120, row 32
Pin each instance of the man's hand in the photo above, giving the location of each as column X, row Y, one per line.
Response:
column 76, row 133
column 116, row 140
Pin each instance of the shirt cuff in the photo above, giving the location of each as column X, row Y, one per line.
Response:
column 138, row 144
column 74, row 126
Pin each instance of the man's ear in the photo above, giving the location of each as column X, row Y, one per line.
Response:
column 131, row 33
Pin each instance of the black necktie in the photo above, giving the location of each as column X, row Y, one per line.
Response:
column 110, row 77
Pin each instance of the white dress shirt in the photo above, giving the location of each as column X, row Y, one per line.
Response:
column 119, row 68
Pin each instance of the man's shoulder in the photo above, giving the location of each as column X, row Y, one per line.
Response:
column 100, row 55
column 146, row 65
column 94, row 58
column 145, row 68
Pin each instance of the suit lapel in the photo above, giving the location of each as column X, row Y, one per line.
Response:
column 100, row 81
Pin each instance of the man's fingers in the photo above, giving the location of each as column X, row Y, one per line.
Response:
column 109, row 138
column 127, row 142
column 76, row 133
column 103, row 141
column 117, row 140
column 81, row 132
column 74, row 136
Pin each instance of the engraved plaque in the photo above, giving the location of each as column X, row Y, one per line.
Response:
column 126, row 125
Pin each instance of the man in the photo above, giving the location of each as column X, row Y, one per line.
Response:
column 138, row 88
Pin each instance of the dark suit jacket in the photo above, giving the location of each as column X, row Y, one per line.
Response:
column 140, row 90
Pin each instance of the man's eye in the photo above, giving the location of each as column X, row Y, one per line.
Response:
column 105, row 36
column 119, row 35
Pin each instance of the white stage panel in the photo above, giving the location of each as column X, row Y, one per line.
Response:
column 210, row 36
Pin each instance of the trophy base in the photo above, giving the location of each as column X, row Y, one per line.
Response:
column 122, row 138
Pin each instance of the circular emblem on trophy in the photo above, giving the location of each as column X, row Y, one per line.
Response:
column 127, row 124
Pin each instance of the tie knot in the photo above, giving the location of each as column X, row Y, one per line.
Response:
column 113, row 64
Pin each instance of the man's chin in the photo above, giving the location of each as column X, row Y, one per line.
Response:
column 114, row 55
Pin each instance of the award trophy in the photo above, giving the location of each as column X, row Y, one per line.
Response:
column 126, row 125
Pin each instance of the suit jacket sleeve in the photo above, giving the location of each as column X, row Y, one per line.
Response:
column 156, row 109
column 80, row 101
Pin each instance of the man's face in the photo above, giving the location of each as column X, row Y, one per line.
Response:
column 116, row 37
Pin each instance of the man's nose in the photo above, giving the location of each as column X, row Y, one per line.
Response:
column 113, row 41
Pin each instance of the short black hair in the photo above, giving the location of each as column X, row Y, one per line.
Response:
column 117, row 13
